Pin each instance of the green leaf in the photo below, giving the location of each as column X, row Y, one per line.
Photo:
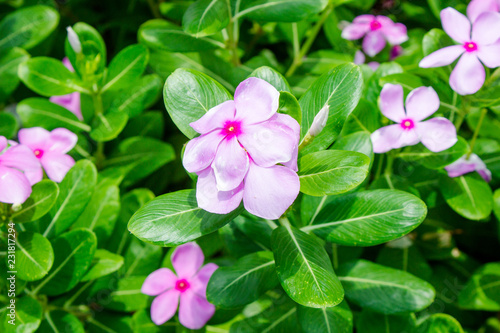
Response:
column 434, row 40
column 9, row 63
column 482, row 292
column 496, row 208
column 206, row 17
column 469, row 195
column 40, row 112
column 372, row 322
column 331, row 172
column 75, row 192
column 27, row 27
column 108, row 127
column 60, row 321
column 359, row 141
column 272, row 76
column 174, row 219
column 384, row 290
column 340, row 89
column 8, row 125
column 34, row 256
column 126, row 67
column 27, row 314
column 433, row 160
column 290, row 106
column 337, row 319
column 304, row 268
column 368, row 218
column 188, row 95
column 279, row 318
column 140, row 257
column 403, row 255
column 244, row 282
column 440, row 323
column 279, row 10
column 127, row 295
column 41, row 200
column 103, row 263
column 149, row 124
column 73, row 251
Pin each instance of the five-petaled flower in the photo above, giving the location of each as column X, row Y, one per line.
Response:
column 377, row 30
column 50, row 148
column 465, row 165
column 477, row 7
column 437, row 134
column 189, row 285
column 69, row 101
column 481, row 43
column 247, row 151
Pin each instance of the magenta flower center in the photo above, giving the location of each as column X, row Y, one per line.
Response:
column 407, row 124
column 375, row 25
column 231, row 128
column 182, row 285
column 38, row 153
column 470, row 46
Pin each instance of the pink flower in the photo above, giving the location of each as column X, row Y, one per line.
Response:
column 437, row 134
column 396, row 51
column 463, row 165
column 480, row 45
column 190, row 285
column 376, row 30
column 359, row 59
column 70, row 101
column 50, row 148
column 477, row 7
column 237, row 155
column 19, row 170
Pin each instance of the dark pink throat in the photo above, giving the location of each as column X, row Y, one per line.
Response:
column 38, row 153
column 407, row 124
column 231, row 128
column 182, row 285
column 375, row 25
column 470, row 47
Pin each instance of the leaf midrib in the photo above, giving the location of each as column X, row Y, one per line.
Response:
column 246, row 273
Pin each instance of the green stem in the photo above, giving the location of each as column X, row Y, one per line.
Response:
column 78, row 293
column 154, row 9
column 283, row 220
column 99, row 110
column 379, row 166
column 476, row 131
column 390, row 162
column 233, row 37
column 335, row 255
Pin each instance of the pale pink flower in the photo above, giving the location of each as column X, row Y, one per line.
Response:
column 463, row 165
column 50, row 148
column 69, row 101
column 247, row 151
column 377, row 31
column 437, row 134
column 189, row 285
column 477, row 7
column 360, row 58
column 476, row 45
column 19, row 170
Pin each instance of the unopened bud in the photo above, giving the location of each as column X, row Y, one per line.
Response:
column 73, row 40
column 319, row 121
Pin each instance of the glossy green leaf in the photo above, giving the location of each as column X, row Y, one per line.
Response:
column 43, row 196
column 331, row 172
column 275, row 78
column 60, row 321
column 432, row 160
column 482, row 292
column 279, row 318
column 290, row 106
column 9, row 63
column 126, row 67
column 373, row 322
column 151, row 124
column 434, row 40
column 174, row 219
column 206, row 17
column 440, row 323
column 8, row 125
column 34, row 256
column 337, row 319
column 304, row 268
column 27, row 315
column 403, row 255
column 359, row 141
column 127, row 295
column 279, row 10
column 384, row 290
column 140, row 257
column 108, row 127
column 368, row 218
column 103, row 263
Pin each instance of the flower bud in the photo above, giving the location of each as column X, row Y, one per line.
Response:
column 73, row 40
column 319, row 121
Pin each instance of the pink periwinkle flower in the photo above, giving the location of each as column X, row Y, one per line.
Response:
column 477, row 7
column 19, row 170
column 189, row 285
column 50, row 149
column 377, row 31
column 246, row 151
column 465, row 165
column 360, row 58
column 476, row 45
column 437, row 134
column 69, row 101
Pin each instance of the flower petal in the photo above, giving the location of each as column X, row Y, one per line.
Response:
column 14, row 186
column 486, row 29
column 3, row 143
column 468, row 76
column 57, row 165
column 61, row 140
column 213, row 200
column 294, row 125
column 392, row 137
column 200, row 281
column 477, row 7
column 34, row 137
column 67, row 64
column 456, row 25
column 187, row 260
column 355, row 30
column 215, row 117
column 460, row 167
column 489, row 54
column 374, row 42
column 442, row 57
column 164, row 306
column 270, row 191
column 158, row 282
column 359, row 58
column 256, row 100
column 194, row 311
column 437, row 134
column 366, row 18
column 230, row 164
column 200, row 151
column 22, row 158
column 396, row 33
column 70, row 102
column 391, row 102
column 421, row 103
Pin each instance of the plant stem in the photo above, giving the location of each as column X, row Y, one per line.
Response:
column 379, row 166
column 233, row 37
column 154, row 8
column 390, row 162
column 99, row 110
column 283, row 220
column 335, row 256
column 476, row 132
column 76, row 294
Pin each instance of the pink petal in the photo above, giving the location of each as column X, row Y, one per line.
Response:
column 67, row 64
column 485, row 174
column 392, row 137
column 200, row 281
column 294, row 125
column 270, row 191
column 70, row 102
column 230, row 164
column 459, row 167
column 468, row 76
column 442, row 57
column 477, row 7
column 456, row 25
column 211, row 199
column 3, row 143
column 486, row 29
column 187, row 260
column 437, row 134
column 256, row 100
column 61, row 140
column 373, row 65
column 200, row 151
column 396, row 33
column 194, row 311
column 421, row 103
column 366, row 18
column 355, row 31
column 34, row 137
column 22, row 158
column 57, row 165
column 158, row 282
column 489, row 54
column 164, row 306
column 215, row 117
column 391, row 102
column 359, row 58
column 14, row 186
column 374, row 42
